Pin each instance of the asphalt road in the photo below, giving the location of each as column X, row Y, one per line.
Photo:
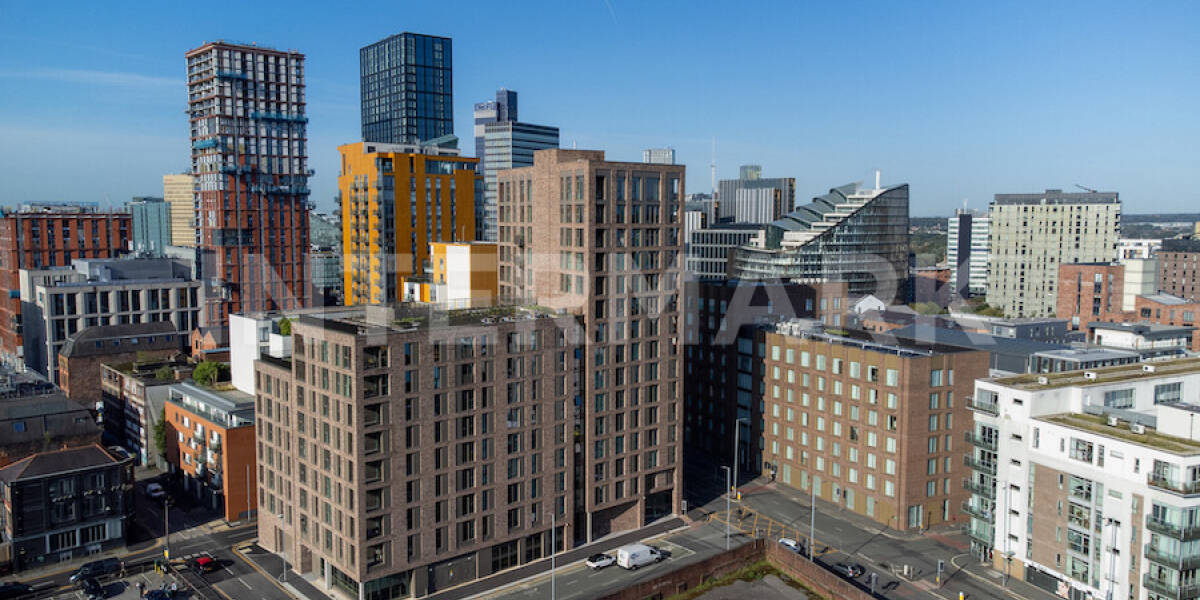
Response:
column 190, row 536
column 575, row 581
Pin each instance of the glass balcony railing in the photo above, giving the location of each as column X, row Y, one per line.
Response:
column 974, row 463
column 1186, row 488
column 1171, row 559
column 982, row 406
column 1187, row 591
column 977, row 440
column 977, row 512
column 980, row 534
column 987, row 491
column 1174, row 530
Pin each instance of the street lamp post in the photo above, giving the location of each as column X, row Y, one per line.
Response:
column 737, row 432
column 282, row 551
column 727, row 492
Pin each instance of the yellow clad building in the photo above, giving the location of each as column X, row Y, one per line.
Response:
column 462, row 275
column 397, row 200
column 177, row 192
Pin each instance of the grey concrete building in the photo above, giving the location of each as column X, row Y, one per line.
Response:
column 708, row 248
column 1032, row 234
column 752, row 198
column 58, row 302
column 151, row 225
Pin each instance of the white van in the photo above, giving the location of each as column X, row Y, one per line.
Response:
column 637, row 555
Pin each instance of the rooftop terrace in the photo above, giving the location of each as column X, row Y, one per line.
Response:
column 1150, row 439
column 1103, row 376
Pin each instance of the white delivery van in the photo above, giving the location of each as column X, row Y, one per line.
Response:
column 636, row 555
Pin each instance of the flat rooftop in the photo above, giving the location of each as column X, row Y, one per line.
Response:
column 410, row 316
column 873, row 342
column 1151, row 439
column 1083, row 354
column 1104, row 375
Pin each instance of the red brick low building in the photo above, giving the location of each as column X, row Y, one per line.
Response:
column 1166, row 309
column 1091, row 292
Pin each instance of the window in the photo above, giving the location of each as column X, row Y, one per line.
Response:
column 1167, row 392
column 1121, row 398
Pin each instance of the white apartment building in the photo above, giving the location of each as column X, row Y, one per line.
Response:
column 967, row 246
column 1032, row 234
column 57, row 302
column 1087, row 483
column 1138, row 248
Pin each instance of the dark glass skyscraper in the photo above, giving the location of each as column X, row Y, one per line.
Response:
column 407, row 89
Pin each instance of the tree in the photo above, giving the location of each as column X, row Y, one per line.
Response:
column 160, row 432
column 164, row 373
column 285, row 326
column 209, row 372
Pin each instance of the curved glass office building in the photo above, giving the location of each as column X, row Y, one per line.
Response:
column 853, row 234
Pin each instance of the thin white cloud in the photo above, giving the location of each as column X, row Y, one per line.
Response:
column 91, row 77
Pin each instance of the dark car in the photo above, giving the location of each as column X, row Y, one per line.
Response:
column 98, row 569
column 13, row 589
column 204, row 564
column 158, row 595
column 91, row 589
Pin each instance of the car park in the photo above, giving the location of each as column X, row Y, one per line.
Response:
column 599, row 561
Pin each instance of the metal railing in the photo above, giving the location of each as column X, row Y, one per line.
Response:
column 1173, row 530
column 1171, row 559
column 980, row 441
column 978, row 465
column 990, row 408
column 1186, row 488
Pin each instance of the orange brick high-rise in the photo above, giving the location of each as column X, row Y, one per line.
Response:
column 246, row 107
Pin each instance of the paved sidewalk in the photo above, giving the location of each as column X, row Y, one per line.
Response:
column 268, row 564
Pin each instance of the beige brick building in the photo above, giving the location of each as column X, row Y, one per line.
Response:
column 602, row 240
column 404, row 451
column 877, row 426
column 1032, row 234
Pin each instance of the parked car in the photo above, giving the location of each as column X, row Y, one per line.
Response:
column 98, row 569
column 155, row 491
column 13, row 589
column 792, row 545
column 599, row 561
column 850, row 570
column 204, row 564
column 90, row 588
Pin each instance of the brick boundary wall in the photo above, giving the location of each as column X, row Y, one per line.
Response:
column 821, row 581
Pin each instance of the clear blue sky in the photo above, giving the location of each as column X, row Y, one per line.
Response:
column 959, row 99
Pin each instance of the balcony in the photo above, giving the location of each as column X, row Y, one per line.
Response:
column 1168, row 588
column 987, row 491
column 979, row 441
column 983, row 535
column 1183, row 488
column 1174, row 530
column 974, row 463
column 1171, row 559
column 978, row 513
column 982, row 406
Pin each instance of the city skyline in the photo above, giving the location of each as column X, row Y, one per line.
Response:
column 987, row 111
